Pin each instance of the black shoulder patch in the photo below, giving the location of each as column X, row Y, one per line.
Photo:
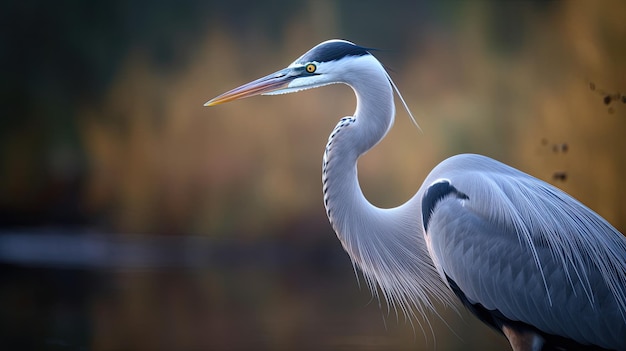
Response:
column 332, row 51
column 435, row 193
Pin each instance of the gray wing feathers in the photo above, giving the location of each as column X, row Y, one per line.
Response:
column 530, row 251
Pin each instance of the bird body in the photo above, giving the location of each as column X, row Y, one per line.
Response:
column 526, row 253
column 523, row 256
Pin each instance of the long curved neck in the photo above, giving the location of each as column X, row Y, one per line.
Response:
column 351, row 138
column 387, row 244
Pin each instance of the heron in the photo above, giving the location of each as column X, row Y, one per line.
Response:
column 523, row 256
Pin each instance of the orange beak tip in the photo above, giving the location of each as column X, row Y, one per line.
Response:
column 213, row 102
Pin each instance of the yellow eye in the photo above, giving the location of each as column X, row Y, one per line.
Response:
column 310, row 68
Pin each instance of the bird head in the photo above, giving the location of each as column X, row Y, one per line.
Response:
column 317, row 67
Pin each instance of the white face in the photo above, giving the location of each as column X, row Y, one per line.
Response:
column 309, row 75
column 322, row 65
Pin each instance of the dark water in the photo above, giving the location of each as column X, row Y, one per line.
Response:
column 96, row 292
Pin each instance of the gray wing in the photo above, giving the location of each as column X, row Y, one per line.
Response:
column 518, row 247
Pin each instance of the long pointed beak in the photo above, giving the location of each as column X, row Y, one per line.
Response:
column 269, row 83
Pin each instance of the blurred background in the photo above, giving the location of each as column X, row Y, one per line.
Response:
column 134, row 218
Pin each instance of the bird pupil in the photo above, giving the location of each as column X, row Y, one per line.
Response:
column 310, row 68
